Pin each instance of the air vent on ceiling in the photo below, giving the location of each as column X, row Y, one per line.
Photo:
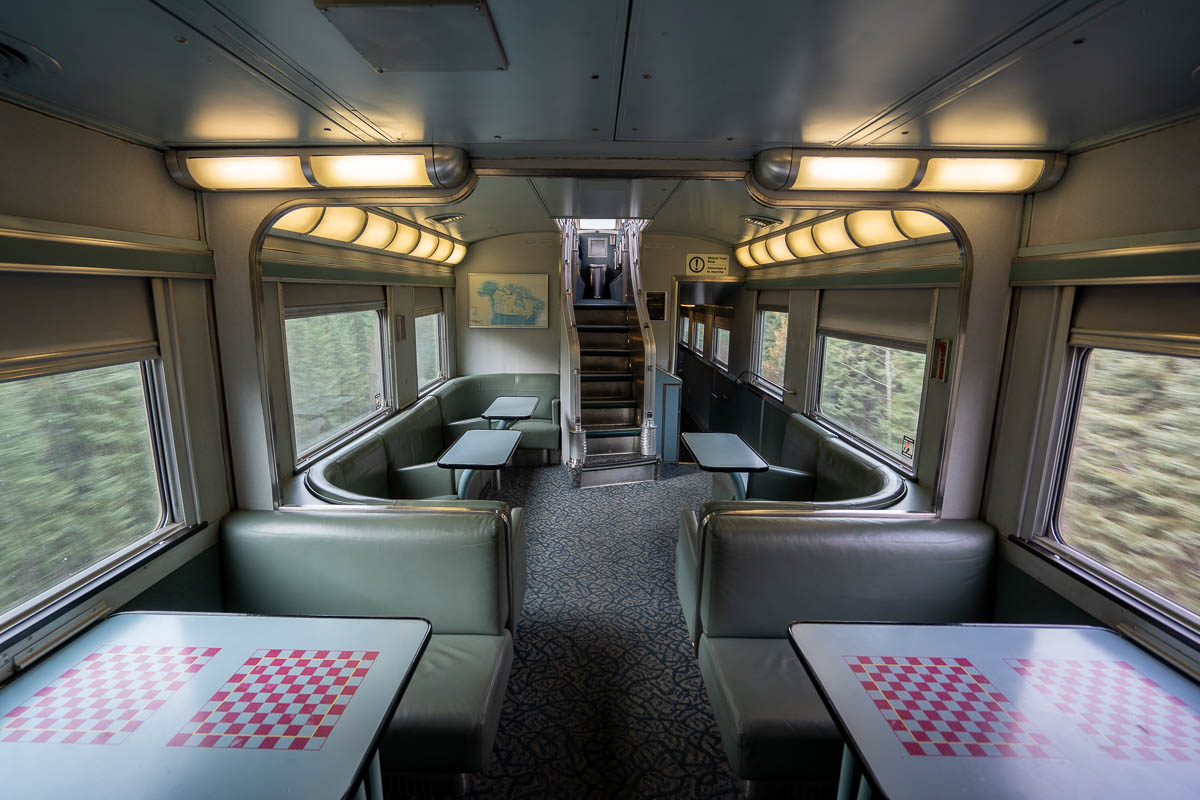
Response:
column 19, row 58
column 419, row 35
column 445, row 219
column 761, row 222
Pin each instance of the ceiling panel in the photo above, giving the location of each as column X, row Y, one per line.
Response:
column 1131, row 64
column 497, row 206
column 792, row 71
column 603, row 198
column 714, row 210
column 131, row 68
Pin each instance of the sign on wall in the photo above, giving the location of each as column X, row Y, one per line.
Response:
column 508, row 301
column 706, row 264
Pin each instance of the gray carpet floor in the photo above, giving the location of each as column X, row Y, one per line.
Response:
column 605, row 698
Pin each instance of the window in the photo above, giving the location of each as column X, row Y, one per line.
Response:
column 429, row 333
column 698, row 336
column 1131, row 493
column 335, row 373
column 79, row 480
column 772, row 345
column 685, row 326
column 874, row 392
column 721, row 346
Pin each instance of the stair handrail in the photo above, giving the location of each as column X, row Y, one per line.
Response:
column 576, row 439
column 631, row 241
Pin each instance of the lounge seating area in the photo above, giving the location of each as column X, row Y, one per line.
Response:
column 463, row 570
column 759, row 573
column 396, row 461
column 817, row 468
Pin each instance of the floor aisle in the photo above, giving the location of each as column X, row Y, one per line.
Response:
column 605, row 698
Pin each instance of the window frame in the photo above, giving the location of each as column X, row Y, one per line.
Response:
column 306, row 458
column 909, row 470
column 1050, row 537
column 721, row 324
column 699, row 320
column 685, row 315
column 443, row 357
column 759, row 380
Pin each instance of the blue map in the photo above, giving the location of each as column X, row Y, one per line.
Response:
column 511, row 303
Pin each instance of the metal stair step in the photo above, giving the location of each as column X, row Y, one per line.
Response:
column 611, row 433
column 605, row 376
column 608, row 403
column 603, row 328
column 604, row 351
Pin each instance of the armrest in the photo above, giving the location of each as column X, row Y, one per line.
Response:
column 555, row 414
column 326, row 491
column 420, row 481
column 781, row 483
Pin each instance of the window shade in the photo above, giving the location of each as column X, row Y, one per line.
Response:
column 1144, row 318
column 898, row 314
column 52, row 318
column 773, row 300
column 426, row 300
column 311, row 295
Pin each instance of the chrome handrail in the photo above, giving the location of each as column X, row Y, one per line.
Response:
column 631, row 236
column 576, row 441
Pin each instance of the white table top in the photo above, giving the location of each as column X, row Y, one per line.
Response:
column 1006, row 711
column 157, row 705
column 489, row 449
column 723, row 452
column 511, row 408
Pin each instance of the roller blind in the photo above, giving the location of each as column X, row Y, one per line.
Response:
column 302, row 296
column 426, row 300
column 1159, row 319
column 900, row 314
column 773, row 300
column 51, row 318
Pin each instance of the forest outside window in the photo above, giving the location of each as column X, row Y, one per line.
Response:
column 80, row 480
column 685, row 327
column 430, row 336
column 335, row 373
column 698, row 332
column 1130, row 498
column 720, row 349
column 872, row 390
column 771, row 351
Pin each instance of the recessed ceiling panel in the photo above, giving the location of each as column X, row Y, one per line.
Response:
column 714, row 210
column 603, row 198
column 792, row 71
column 498, row 206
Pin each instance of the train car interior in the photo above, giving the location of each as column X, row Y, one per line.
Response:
column 612, row 340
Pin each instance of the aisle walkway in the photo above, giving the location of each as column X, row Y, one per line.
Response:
column 605, row 699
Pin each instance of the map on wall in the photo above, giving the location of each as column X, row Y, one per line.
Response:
column 508, row 301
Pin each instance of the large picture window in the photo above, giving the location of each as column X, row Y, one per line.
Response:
column 335, row 373
column 79, row 478
column 771, row 352
column 873, row 391
column 1131, row 492
column 430, row 337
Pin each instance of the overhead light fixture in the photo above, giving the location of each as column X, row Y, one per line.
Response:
column 760, row 221
column 320, row 168
column 445, row 219
column 801, row 244
column 916, row 224
column 796, row 169
column 777, row 249
column 758, row 251
column 831, row 235
column 373, row 229
column 874, row 227
column 742, row 254
column 839, row 233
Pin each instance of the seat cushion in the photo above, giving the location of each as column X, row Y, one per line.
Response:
column 537, row 434
column 773, row 723
column 453, row 431
column 421, row 481
column 447, row 719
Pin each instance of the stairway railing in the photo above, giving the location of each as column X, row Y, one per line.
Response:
column 631, row 242
column 576, row 440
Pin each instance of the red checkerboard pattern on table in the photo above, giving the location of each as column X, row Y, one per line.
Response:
column 1130, row 716
column 946, row 707
column 106, row 696
column 279, row 700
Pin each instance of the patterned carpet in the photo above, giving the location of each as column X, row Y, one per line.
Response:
column 605, row 698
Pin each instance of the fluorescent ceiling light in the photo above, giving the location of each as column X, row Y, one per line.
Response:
column 425, row 247
column 831, row 235
column 742, row 254
column 457, row 254
column 444, row 248
column 341, row 223
column 915, row 224
column 778, row 249
column 981, row 174
column 800, row 242
column 854, row 172
column 874, row 227
column 406, row 170
column 248, row 172
column 406, row 239
column 758, row 251
column 378, row 232
column 302, row 220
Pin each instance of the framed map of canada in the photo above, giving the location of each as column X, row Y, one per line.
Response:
column 508, row 301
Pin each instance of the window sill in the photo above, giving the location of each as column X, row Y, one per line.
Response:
column 312, row 456
column 422, row 391
column 867, row 446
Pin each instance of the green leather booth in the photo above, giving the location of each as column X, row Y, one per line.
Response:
column 760, row 572
column 396, row 461
column 818, row 468
column 463, row 570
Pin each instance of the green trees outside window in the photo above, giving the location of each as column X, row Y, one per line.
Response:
column 335, row 370
column 721, row 346
column 78, row 480
column 1131, row 497
column 429, row 348
column 873, row 391
column 772, row 345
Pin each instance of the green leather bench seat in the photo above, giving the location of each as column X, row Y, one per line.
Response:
column 397, row 460
column 463, row 570
column 762, row 572
column 463, row 399
column 818, row 468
